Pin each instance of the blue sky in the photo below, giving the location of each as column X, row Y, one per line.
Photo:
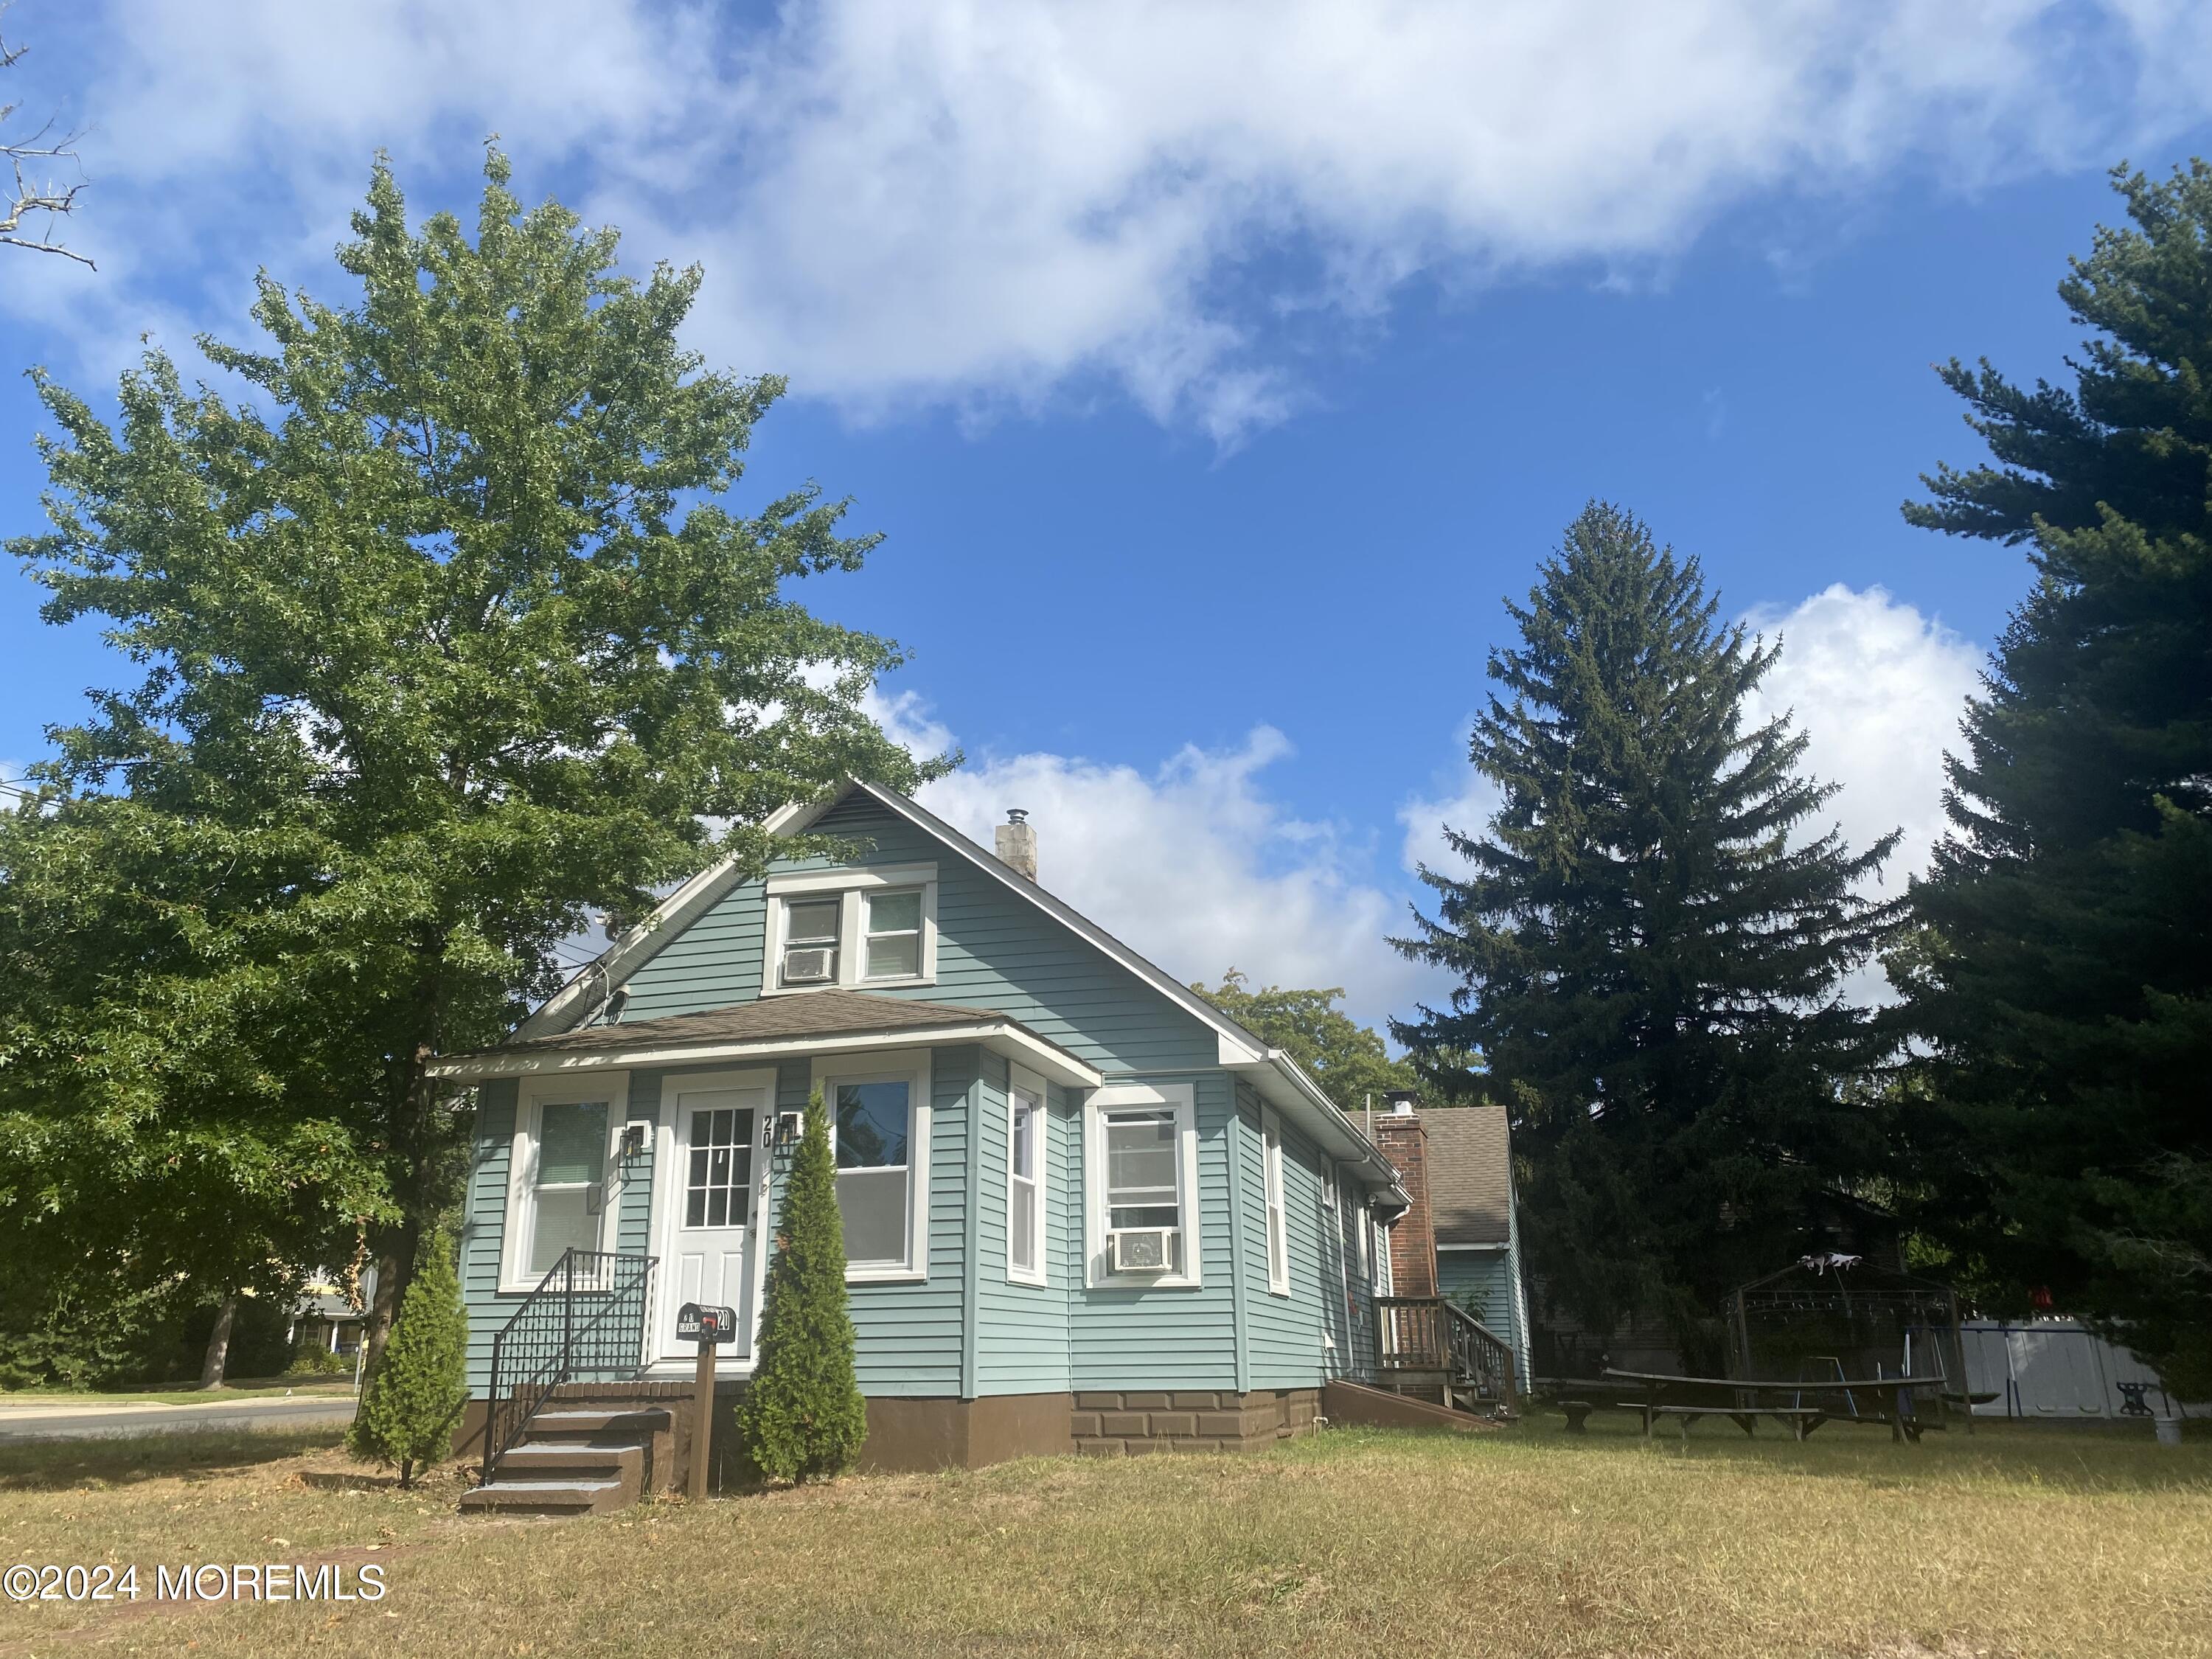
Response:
column 1212, row 379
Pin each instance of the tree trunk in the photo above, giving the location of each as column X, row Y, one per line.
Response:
column 218, row 1347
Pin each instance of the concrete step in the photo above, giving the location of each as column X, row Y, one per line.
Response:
column 616, row 1426
column 575, row 1460
column 506, row 1497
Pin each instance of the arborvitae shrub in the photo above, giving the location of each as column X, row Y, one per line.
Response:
column 415, row 1397
column 802, row 1417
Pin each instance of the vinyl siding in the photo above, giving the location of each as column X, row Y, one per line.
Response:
column 1481, row 1281
column 967, row 1329
column 1285, row 1333
column 1021, row 1329
column 993, row 950
column 1124, row 1337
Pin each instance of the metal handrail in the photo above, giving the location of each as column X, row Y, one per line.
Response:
column 585, row 1321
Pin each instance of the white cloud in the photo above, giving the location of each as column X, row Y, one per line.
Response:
column 1878, row 689
column 1193, row 865
column 982, row 203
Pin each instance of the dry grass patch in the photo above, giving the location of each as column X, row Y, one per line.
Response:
column 1526, row 1544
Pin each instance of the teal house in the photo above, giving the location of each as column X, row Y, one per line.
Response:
column 1082, row 1209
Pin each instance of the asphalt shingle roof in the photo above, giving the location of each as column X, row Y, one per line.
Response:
column 1470, row 1178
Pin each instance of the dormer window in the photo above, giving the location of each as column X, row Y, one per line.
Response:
column 852, row 929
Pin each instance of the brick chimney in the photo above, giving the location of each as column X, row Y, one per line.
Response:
column 1016, row 843
column 1403, row 1140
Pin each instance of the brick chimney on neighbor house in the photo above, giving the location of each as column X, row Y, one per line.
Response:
column 1017, row 842
column 1402, row 1140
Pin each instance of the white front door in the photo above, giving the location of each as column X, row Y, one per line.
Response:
column 714, row 1200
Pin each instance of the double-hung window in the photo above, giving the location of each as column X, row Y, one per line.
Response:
column 894, row 934
column 812, row 933
column 1142, row 1220
column 850, row 929
column 1025, row 1186
column 561, row 1161
column 1279, row 1232
column 879, row 1124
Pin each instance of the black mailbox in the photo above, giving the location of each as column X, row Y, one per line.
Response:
column 707, row 1325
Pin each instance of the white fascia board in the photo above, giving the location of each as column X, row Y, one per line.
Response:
column 1500, row 1245
column 607, row 970
column 1283, row 1083
column 1000, row 1038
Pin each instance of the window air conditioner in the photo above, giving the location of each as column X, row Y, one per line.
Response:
column 809, row 964
column 1144, row 1249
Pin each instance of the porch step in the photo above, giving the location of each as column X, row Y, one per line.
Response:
column 619, row 1425
column 506, row 1497
column 575, row 1460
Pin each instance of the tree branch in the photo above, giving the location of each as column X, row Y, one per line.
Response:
column 31, row 196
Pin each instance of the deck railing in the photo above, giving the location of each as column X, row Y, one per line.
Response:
column 1432, row 1335
column 584, row 1322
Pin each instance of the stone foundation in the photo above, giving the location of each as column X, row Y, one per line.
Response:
column 1132, row 1422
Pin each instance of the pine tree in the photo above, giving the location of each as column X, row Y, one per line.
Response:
column 415, row 1395
column 802, row 1417
column 2061, row 976
column 1650, row 942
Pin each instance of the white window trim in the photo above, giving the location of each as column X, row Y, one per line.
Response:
column 1019, row 1084
column 1385, row 1280
column 852, row 937
column 1276, row 1209
column 532, row 1096
column 1131, row 1096
column 909, row 1065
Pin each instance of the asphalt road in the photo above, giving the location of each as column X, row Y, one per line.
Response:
column 75, row 1422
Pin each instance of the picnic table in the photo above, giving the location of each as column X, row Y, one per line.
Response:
column 1745, row 1401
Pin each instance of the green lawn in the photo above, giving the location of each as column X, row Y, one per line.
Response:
column 2026, row 1540
column 177, row 1393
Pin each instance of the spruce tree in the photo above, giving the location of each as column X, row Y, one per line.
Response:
column 415, row 1393
column 2060, row 977
column 802, row 1417
column 1649, row 943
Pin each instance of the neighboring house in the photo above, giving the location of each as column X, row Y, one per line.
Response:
column 323, row 1317
column 1460, row 1238
column 1082, row 1208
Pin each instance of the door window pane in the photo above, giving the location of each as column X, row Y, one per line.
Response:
column 719, row 1182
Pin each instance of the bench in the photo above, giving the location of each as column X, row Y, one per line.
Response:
column 1802, row 1419
column 1577, row 1413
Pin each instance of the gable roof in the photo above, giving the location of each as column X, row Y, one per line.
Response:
column 1470, row 1174
column 821, row 1021
column 1278, row 1078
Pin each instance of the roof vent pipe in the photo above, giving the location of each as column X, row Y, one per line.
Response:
column 1016, row 843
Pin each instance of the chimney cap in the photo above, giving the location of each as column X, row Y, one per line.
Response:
column 1402, row 1101
column 1017, row 815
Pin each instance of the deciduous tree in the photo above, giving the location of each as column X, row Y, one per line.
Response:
column 454, row 638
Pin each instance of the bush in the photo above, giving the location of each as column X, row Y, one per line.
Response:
column 407, row 1415
column 312, row 1360
column 802, row 1417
